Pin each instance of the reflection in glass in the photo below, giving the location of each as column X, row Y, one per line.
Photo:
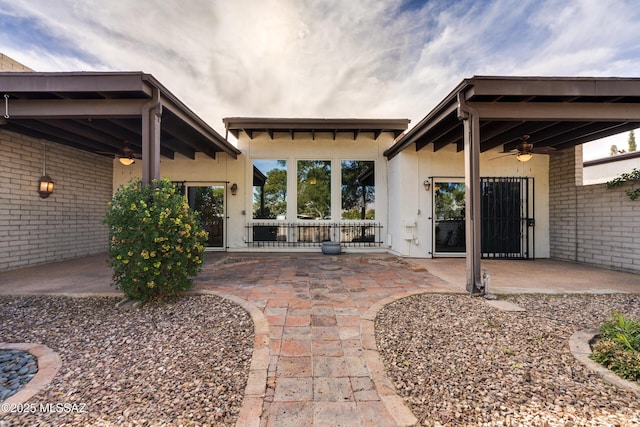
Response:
column 358, row 190
column 209, row 201
column 270, row 189
column 449, row 213
column 314, row 189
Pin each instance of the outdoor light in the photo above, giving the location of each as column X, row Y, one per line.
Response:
column 127, row 161
column 45, row 183
column 524, row 157
column 427, row 185
column 234, row 189
column 45, row 186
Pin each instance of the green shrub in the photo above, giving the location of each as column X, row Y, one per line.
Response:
column 618, row 347
column 156, row 243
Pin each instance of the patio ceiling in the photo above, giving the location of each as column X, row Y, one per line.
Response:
column 556, row 112
column 292, row 126
column 97, row 112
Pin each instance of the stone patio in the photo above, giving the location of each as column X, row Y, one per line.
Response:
column 321, row 367
column 315, row 360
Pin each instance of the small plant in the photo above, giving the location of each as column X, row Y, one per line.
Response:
column 632, row 177
column 618, row 347
column 156, row 244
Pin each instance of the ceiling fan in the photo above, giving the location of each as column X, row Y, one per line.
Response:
column 126, row 156
column 525, row 150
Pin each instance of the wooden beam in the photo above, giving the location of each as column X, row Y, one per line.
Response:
column 74, row 108
column 552, row 111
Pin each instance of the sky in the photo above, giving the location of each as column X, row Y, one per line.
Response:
column 325, row 58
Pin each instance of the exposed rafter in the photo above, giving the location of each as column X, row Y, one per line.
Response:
column 557, row 112
column 314, row 126
column 97, row 112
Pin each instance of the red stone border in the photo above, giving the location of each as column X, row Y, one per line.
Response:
column 395, row 405
column 49, row 363
column 254, row 393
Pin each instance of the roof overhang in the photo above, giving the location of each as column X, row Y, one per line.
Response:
column 98, row 111
column 558, row 112
column 291, row 126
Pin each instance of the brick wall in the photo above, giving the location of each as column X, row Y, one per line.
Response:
column 8, row 64
column 68, row 223
column 591, row 224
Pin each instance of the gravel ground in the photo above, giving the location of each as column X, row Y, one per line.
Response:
column 184, row 362
column 459, row 362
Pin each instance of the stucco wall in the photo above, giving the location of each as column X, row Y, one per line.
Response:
column 411, row 203
column 65, row 225
column 227, row 171
column 223, row 170
column 603, row 170
column 323, row 147
column 591, row 224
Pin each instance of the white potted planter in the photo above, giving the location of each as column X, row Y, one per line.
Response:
column 331, row 248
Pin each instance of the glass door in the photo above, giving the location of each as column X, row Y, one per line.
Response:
column 209, row 201
column 449, row 217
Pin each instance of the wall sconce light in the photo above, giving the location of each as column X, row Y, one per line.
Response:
column 524, row 157
column 45, row 186
column 127, row 161
column 427, row 185
column 45, row 183
column 234, row 189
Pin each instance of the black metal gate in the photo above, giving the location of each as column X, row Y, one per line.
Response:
column 507, row 217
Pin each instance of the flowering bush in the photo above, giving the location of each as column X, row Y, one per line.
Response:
column 156, row 244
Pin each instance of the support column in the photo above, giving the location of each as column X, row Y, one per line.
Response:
column 151, row 126
column 471, row 122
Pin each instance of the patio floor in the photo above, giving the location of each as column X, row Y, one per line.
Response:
column 315, row 360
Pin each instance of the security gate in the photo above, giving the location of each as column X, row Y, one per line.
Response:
column 506, row 217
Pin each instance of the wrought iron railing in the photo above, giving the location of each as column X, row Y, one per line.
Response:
column 312, row 234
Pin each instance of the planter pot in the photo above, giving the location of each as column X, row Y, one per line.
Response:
column 331, row 248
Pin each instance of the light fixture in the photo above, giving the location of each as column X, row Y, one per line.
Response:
column 45, row 183
column 127, row 161
column 45, row 186
column 313, row 181
column 524, row 156
column 234, row 189
column 427, row 185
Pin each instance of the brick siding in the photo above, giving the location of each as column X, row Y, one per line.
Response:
column 68, row 223
column 8, row 64
column 591, row 224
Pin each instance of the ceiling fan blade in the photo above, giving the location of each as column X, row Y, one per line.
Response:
column 546, row 153
column 504, row 155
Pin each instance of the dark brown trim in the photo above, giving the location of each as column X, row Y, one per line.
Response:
column 613, row 159
column 292, row 126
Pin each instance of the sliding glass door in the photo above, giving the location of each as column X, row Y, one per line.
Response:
column 209, row 201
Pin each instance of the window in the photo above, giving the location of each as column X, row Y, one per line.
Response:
column 270, row 189
column 314, row 189
column 358, row 190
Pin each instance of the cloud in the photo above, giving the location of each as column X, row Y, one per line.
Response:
column 331, row 58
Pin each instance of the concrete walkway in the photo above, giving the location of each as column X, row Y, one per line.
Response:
column 315, row 361
column 535, row 276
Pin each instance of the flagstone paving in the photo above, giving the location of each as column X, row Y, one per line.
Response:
column 315, row 361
